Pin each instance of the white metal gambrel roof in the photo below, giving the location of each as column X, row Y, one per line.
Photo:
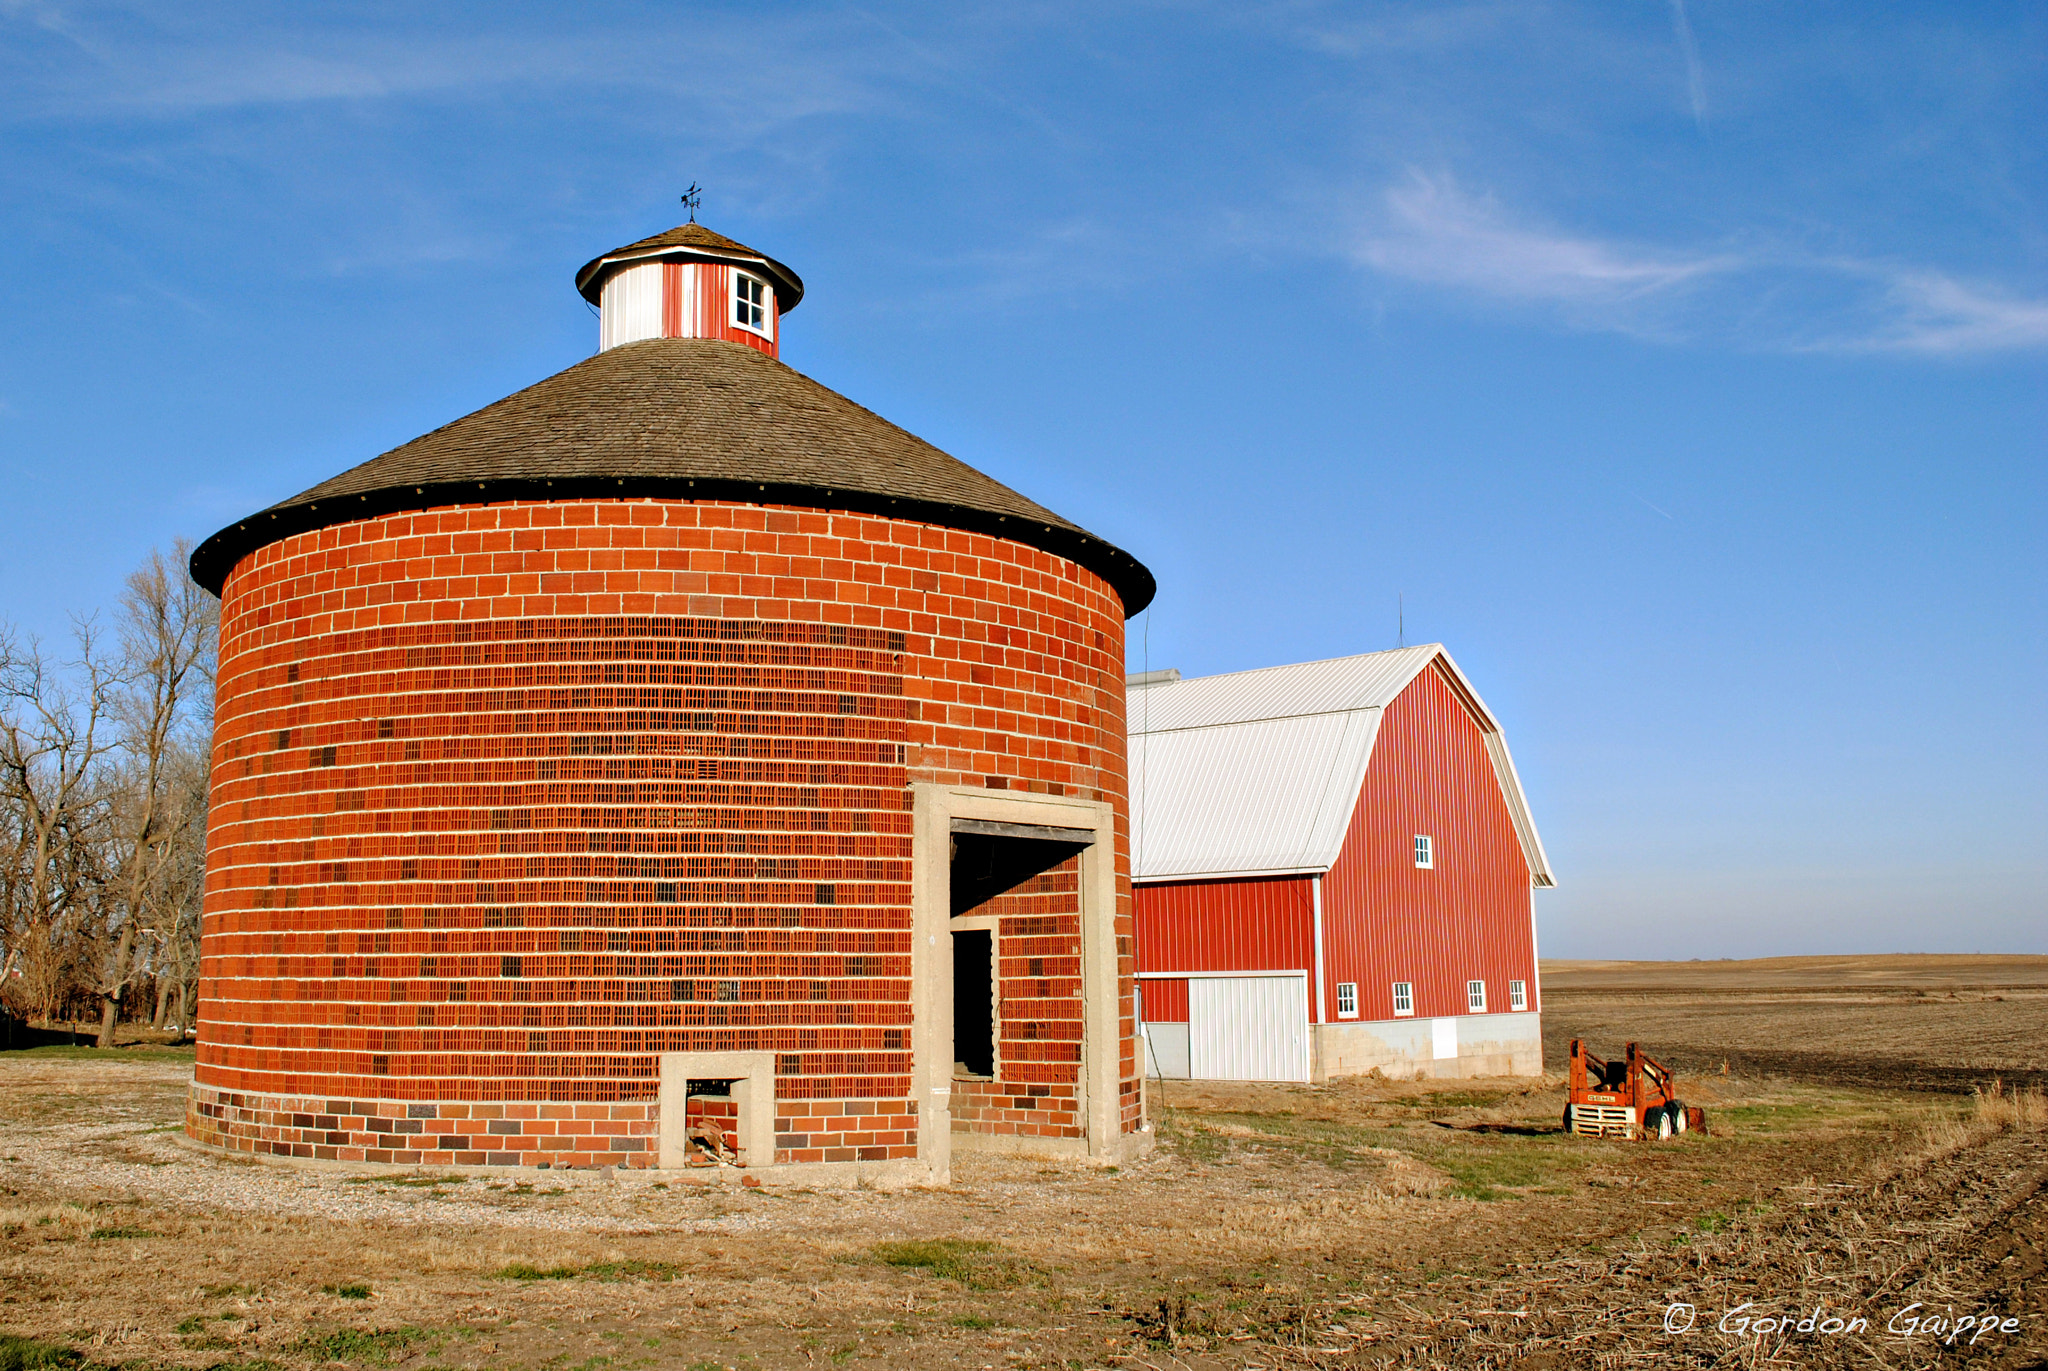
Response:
column 1256, row 773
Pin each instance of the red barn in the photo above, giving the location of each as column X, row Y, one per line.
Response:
column 1334, row 868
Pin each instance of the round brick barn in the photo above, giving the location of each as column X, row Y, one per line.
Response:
column 672, row 764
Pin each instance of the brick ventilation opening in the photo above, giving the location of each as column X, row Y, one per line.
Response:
column 711, row 1121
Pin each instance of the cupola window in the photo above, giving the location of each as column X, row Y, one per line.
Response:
column 750, row 302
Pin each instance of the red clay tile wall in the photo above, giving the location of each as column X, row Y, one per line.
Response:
column 1036, row 1090
column 509, row 799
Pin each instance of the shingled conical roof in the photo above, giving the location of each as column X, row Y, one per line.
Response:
column 686, row 242
column 679, row 418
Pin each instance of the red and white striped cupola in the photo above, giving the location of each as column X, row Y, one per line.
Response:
column 690, row 283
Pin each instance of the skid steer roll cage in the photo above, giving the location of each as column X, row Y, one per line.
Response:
column 1622, row 1098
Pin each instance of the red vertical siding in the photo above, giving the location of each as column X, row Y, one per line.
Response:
column 712, row 317
column 1166, row 1001
column 1263, row 924
column 714, row 292
column 1467, row 918
column 714, row 298
column 673, row 284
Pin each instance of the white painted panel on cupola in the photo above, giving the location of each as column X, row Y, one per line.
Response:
column 690, row 312
column 631, row 306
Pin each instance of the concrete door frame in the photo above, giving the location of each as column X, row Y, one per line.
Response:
column 934, row 807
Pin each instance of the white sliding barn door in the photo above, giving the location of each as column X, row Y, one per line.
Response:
column 1247, row 1028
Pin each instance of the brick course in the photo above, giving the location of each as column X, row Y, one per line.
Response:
column 511, row 798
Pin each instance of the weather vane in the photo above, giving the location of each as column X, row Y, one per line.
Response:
column 692, row 198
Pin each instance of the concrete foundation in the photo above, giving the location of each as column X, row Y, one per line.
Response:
column 1480, row 1045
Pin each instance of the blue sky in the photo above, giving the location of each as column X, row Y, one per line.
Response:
column 1680, row 366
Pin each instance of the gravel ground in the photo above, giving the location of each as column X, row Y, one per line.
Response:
column 129, row 1151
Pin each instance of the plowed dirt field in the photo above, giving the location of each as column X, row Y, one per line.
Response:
column 1939, row 1024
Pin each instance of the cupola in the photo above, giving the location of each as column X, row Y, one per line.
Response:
column 690, row 283
column 681, row 416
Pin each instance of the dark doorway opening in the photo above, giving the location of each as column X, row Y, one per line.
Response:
column 990, row 858
column 974, row 1003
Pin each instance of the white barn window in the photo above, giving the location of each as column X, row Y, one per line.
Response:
column 1475, row 996
column 1518, row 994
column 750, row 303
column 1404, row 999
column 1347, row 999
column 1425, row 850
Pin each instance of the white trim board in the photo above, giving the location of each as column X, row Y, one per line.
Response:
column 1204, row 975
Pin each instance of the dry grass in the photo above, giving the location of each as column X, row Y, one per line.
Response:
column 1367, row 1222
column 1269, row 1213
column 1993, row 1110
column 2014, row 1108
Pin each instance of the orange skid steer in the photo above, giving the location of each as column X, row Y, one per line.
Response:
column 1634, row 1097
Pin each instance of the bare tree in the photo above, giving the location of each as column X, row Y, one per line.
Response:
column 174, row 952
column 104, row 764
column 56, row 735
column 157, row 819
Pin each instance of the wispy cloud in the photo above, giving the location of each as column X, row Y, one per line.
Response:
column 425, row 245
column 1933, row 313
column 1695, row 78
column 1035, row 260
column 138, row 69
column 1429, row 230
column 221, row 503
column 1352, row 32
